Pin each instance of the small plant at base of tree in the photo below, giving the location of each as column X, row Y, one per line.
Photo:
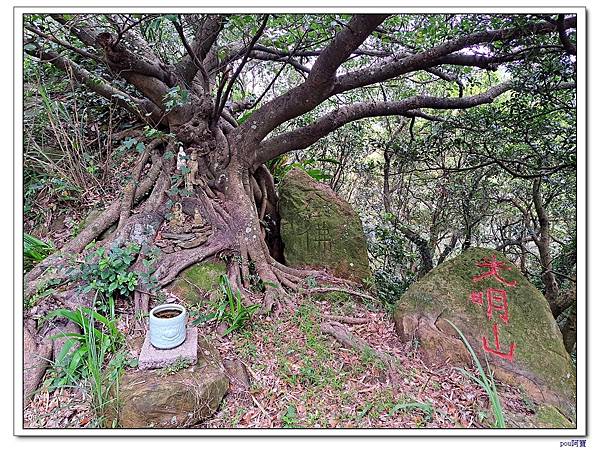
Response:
column 34, row 250
column 230, row 309
column 290, row 418
column 84, row 356
column 107, row 273
column 425, row 407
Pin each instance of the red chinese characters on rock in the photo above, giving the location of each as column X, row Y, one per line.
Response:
column 496, row 300
column 494, row 266
column 496, row 350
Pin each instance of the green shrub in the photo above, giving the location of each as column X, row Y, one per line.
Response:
column 280, row 166
column 107, row 273
column 34, row 251
column 391, row 258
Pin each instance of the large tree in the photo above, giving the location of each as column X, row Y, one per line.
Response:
column 208, row 146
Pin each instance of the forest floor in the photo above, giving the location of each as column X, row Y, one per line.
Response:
column 299, row 377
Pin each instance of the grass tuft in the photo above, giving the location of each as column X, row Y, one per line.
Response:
column 486, row 381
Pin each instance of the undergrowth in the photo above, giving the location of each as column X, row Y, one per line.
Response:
column 93, row 357
column 34, row 251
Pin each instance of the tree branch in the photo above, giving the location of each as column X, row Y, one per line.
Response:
column 222, row 99
column 139, row 107
column 64, row 44
column 84, row 34
column 146, row 73
column 400, row 64
column 198, row 50
column 314, row 90
column 422, row 247
column 199, row 66
column 313, row 53
column 306, row 136
column 264, row 56
column 564, row 39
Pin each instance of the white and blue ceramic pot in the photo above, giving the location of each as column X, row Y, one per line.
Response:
column 167, row 326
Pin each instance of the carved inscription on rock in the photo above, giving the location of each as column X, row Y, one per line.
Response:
column 315, row 233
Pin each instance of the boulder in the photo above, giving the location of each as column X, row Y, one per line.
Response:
column 157, row 399
column 506, row 320
column 319, row 229
column 198, row 281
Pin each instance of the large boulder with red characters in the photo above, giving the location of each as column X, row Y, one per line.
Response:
column 505, row 319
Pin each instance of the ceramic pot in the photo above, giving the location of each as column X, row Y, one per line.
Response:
column 167, row 332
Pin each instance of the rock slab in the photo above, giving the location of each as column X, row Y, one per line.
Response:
column 319, row 229
column 153, row 399
column 153, row 358
column 506, row 320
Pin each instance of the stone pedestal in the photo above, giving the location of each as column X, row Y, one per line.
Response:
column 153, row 358
column 155, row 399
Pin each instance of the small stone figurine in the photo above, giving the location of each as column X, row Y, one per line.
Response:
column 181, row 158
column 190, row 177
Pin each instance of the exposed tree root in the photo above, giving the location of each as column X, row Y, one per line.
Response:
column 39, row 349
column 58, row 260
column 349, row 340
column 322, row 290
column 346, row 319
column 141, row 300
column 130, row 188
column 111, row 214
column 172, row 264
column 36, row 358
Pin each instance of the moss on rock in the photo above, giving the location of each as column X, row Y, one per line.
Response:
column 319, row 229
column 540, row 363
column 550, row 417
column 198, row 281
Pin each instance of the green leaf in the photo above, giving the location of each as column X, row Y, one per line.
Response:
column 77, row 358
column 129, row 143
column 244, row 117
column 66, row 348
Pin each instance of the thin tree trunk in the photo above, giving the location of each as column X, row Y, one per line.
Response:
column 569, row 331
column 551, row 291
